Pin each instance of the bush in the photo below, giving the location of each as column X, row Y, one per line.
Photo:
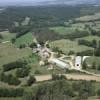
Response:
column 37, row 72
column 94, row 66
column 58, row 77
column 85, row 53
column 22, row 72
column 13, row 65
column 33, row 45
column 31, row 80
column 57, row 90
column 22, row 46
column 11, row 92
column 98, row 67
column 84, row 65
column 86, row 89
column 71, row 53
column 98, row 93
column 13, row 40
column 10, row 79
column 97, row 52
column 1, row 37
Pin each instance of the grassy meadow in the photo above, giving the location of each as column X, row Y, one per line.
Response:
column 67, row 45
column 25, row 39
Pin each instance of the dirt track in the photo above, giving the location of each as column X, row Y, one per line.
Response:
column 70, row 76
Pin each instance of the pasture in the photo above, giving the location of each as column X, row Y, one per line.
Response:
column 24, row 39
column 9, row 53
column 67, row 45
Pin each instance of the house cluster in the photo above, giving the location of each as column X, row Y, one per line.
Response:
column 64, row 62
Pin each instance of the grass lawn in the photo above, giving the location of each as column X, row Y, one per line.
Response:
column 25, row 39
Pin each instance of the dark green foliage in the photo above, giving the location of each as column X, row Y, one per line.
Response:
column 94, row 65
column 37, row 72
column 33, row 45
column 98, row 93
column 22, row 30
column 13, row 65
column 94, row 43
column 59, row 90
column 44, row 34
column 43, row 16
column 31, row 80
column 74, row 35
column 22, row 46
column 86, row 53
column 86, row 89
column 62, row 90
column 95, row 32
column 40, row 16
column 10, row 79
column 22, row 72
column 98, row 67
column 11, row 92
column 58, row 77
column 13, row 40
column 84, row 65
column 58, row 51
column 97, row 52
column 99, row 45
column 71, row 53
column 88, row 43
column 1, row 37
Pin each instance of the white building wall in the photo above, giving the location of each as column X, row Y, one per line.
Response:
column 78, row 62
column 59, row 63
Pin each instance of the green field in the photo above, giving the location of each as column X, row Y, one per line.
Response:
column 63, row 30
column 90, row 38
column 25, row 39
column 9, row 53
column 93, row 59
column 67, row 45
column 89, row 17
column 7, row 36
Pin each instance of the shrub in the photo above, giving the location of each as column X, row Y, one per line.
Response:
column 33, row 45
column 13, row 65
column 98, row 93
column 58, row 77
column 98, row 67
column 10, row 79
column 22, row 72
column 85, row 53
column 37, row 72
column 31, row 80
column 13, row 40
column 1, row 37
column 22, row 46
column 11, row 92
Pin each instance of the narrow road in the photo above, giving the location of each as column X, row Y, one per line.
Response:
column 70, row 76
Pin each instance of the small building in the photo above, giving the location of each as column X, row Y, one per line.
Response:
column 60, row 63
column 78, row 62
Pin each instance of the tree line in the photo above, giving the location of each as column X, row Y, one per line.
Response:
column 62, row 89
